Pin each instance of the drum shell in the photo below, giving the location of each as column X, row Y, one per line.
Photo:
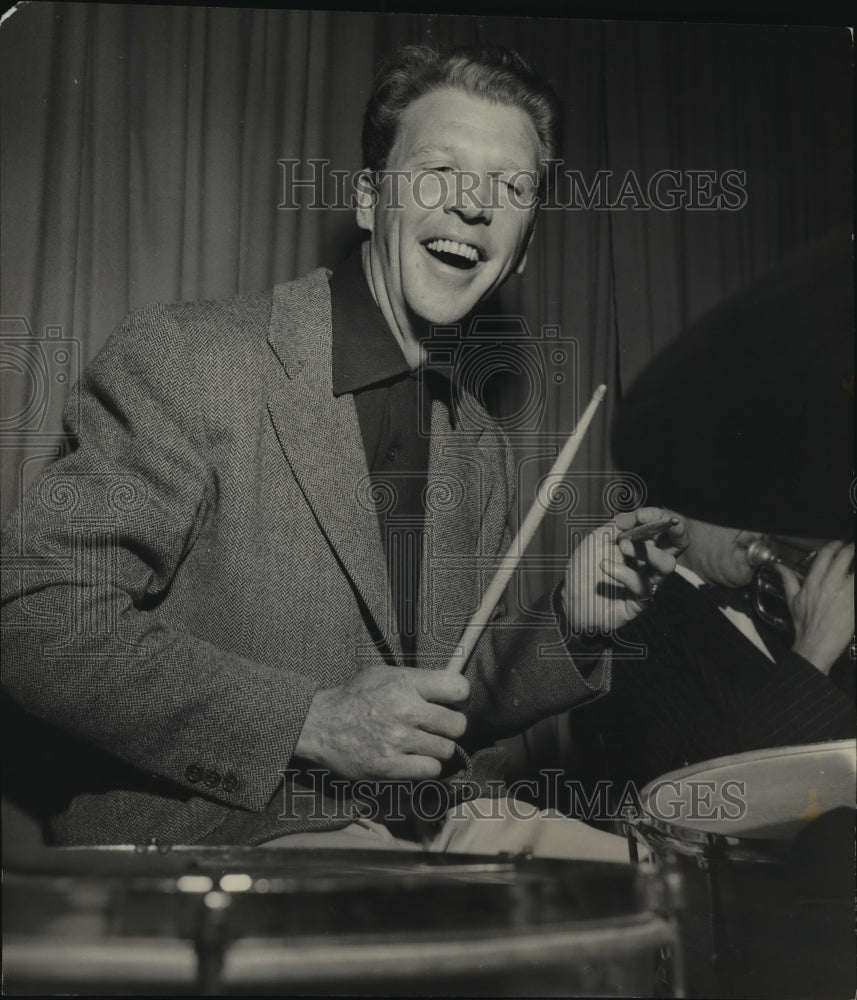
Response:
column 770, row 915
column 308, row 926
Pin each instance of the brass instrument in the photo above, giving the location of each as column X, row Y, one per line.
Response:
column 768, row 595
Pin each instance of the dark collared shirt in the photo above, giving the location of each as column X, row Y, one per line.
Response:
column 394, row 412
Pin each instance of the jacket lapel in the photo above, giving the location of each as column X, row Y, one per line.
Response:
column 320, row 437
column 455, row 500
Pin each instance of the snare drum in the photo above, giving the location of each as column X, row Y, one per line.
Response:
column 764, row 841
column 296, row 922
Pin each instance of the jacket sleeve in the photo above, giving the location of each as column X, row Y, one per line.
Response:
column 793, row 703
column 89, row 554
column 527, row 667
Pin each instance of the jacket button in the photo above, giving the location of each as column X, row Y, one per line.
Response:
column 193, row 773
column 211, row 778
column 230, row 782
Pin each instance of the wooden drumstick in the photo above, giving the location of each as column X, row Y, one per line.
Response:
column 482, row 615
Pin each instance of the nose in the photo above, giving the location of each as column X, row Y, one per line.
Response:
column 470, row 197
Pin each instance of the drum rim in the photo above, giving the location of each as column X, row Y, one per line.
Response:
column 85, row 862
column 547, row 943
column 684, row 839
column 657, row 835
column 828, row 746
column 254, row 960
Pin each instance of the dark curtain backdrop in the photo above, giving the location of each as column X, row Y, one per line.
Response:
column 140, row 150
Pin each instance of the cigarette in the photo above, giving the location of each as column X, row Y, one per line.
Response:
column 645, row 532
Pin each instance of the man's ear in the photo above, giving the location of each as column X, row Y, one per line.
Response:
column 367, row 197
column 522, row 260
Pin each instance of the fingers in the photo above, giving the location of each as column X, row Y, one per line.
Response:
column 791, row 584
column 412, row 767
column 656, row 555
column 843, row 562
column 442, row 686
column 424, row 744
column 439, row 688
column 822, row 562
column 415, row 754
column 677, row 538
column 443, row 721
column 623, row 574
column 642, row 515
column 673, row 538
column 408, row 752
column 418, row 756
column 635, row 566
column 381, row 724
column 832, row 565
column 659, row 560
column 823, row 611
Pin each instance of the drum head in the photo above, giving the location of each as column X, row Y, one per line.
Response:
column 765, row 843
column 765, row 796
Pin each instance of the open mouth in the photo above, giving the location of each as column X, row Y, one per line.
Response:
column 455, row 254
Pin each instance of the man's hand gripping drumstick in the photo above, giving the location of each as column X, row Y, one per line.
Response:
column 386, row 722
column 612, row 574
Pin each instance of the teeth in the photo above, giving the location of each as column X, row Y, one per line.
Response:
column 453, row 246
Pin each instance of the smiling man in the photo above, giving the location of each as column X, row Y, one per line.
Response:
column 272, row 507
column 464, row 222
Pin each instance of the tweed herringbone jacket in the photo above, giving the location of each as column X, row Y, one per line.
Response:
column 208, row 555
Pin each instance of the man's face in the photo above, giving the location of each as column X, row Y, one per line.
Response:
column 449, row 229
column 719, row 555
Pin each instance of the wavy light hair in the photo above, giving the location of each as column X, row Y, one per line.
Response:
column 490, row 72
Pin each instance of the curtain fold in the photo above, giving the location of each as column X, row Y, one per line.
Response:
column 141, row 159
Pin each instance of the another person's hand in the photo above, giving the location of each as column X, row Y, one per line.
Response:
column 608, row 583
column 822, row 609
column 386, row 722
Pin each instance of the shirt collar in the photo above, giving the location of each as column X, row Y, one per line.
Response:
column 365, row 352
column 736, row 599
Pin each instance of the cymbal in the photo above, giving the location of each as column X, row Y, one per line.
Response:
column 747, row 419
